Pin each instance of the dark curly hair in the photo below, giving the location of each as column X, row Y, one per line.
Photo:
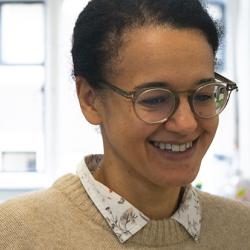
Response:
column 98, row 31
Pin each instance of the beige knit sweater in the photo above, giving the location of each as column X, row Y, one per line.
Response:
column 63, row 217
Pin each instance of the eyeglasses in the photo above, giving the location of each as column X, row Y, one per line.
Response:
column 157, row 104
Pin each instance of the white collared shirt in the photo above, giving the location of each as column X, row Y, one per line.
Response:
column 124, row 219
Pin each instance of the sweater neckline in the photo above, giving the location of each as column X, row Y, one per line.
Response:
column 164, row 232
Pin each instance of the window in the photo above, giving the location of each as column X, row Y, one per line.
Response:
column 22, row 78
column 22, row 33
column 33, row 113
column 217, row 10
column 220, row 169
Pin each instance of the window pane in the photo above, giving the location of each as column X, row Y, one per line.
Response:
column 217, row 11
column 18, row 161
column 22, row 33
column 22, row 79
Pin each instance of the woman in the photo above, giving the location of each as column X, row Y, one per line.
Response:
column 144, row 72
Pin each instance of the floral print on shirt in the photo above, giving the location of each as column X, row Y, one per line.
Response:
column 124, row 219
column 189, row 212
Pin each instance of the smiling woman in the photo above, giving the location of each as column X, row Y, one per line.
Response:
column 144, row 73
column 154, row 58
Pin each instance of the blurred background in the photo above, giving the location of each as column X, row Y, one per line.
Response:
column 43, row 134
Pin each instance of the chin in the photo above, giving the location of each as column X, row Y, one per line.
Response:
column 177, row 179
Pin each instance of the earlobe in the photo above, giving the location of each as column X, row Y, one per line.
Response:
column 87, row 97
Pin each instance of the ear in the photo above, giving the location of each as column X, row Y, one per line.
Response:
column 87, row 97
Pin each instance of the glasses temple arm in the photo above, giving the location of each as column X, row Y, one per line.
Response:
column 231, row 85
column 117, row 90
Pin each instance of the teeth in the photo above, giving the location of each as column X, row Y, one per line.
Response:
column 173, row 147
column 183, row 147
column 162, row 145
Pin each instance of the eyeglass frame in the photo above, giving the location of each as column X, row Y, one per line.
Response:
column 132, row 95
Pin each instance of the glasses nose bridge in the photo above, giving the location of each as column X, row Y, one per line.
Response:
column 189, row 96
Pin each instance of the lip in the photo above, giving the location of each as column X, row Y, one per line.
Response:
column 176, row 142
column 175, row 156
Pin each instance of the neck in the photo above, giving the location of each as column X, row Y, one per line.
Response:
column 154, row 201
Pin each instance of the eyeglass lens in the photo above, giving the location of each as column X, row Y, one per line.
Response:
column 156, row 105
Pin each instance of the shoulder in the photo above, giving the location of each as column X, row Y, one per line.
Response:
column 26, row 206
column 16, row 216
column 214, row 203
column 226, row 218
column 24, row 217
column 30, row 203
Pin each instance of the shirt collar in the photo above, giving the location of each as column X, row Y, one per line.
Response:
column 124, row 219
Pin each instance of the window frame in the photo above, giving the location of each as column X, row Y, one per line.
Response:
column 2, row 2
column 40, row 178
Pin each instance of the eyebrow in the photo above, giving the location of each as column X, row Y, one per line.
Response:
column 169, row 85
column 207, row 80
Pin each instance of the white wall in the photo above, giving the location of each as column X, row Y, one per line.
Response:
column 233, row 138
column 242, row 74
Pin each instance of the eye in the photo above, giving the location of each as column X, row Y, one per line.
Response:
column 203, row 97
column 154, row 100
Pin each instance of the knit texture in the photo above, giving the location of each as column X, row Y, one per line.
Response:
column 63, row 217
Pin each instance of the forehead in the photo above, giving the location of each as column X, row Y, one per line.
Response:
column 160, row 53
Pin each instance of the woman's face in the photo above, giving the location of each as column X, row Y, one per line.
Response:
column 180, row 58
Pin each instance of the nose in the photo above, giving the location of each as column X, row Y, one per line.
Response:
column 183, row 121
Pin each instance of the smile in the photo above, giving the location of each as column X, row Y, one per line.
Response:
column 173, row 147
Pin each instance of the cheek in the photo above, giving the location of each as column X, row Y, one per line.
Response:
column 122, row 126
column 213, row 125
column 210, row 127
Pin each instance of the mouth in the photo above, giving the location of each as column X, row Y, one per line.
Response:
column 174, row 147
